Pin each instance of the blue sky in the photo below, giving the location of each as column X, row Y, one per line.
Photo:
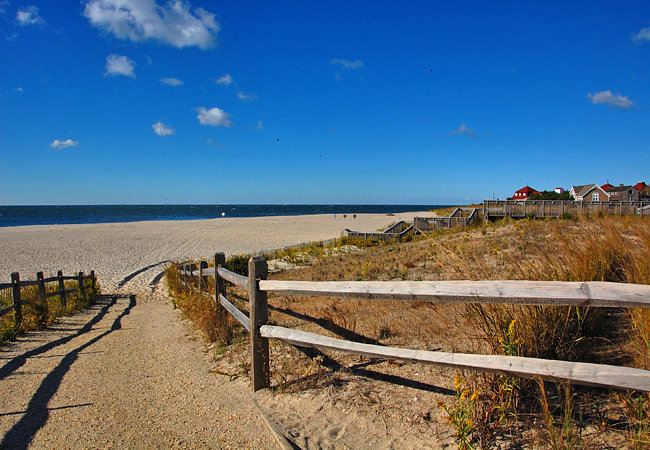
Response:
column 150, row 101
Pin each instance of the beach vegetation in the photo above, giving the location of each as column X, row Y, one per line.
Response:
column 38, row 314
column 486, row 409
column 215, row 324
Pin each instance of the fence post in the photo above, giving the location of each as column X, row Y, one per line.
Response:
column 18, row 309
column 41, row 290
column 192, row 279
column 81, row 286
column 219, row 283
column 203, row 279
column 92, row 274
column 59, row 275
column 181, row 275
column 257, row 270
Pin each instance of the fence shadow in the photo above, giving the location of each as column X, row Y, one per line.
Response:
column 37, row 412
column 18, row 361
column 358, row 369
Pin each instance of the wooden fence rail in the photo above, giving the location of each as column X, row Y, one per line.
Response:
column 17, row 284
column 551, row 293
column 494, row 209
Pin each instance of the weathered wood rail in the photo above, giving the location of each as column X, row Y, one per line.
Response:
column 460, row 216
column 396, row 231
column 495, row 209
column 551, row 293
column 17, row 300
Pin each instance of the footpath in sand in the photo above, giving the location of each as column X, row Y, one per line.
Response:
column 128, row 372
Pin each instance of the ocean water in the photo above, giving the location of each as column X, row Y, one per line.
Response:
column 11, row 216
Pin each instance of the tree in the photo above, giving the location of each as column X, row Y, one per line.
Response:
column 551, row 195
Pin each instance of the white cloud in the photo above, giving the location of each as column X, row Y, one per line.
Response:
column 171, row 81
column 642, row 35
column 174, row 23
column 29, row 16
column 259, row 125
column 465, row 130
column 246, row 96
column 347, row 64
column 19, row 89
column 225, row 80
column 63, row 144
column 119, row 65
column 162, row 130
column 618, row 101
column 216, row 117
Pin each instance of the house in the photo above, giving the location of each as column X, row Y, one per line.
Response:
column 559, row 190
column 524, row 193
column 606, row 186
column 640, row 186
column 623, row 193
column 589, row 192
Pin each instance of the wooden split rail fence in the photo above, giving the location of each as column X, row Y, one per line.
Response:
column 17, row 284
column 396, row 231
column 460, row 216
column 546, row 293
column 496, row 209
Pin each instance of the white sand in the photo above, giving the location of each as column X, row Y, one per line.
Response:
column 115, row 250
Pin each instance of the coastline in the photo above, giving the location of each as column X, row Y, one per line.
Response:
column 117, row 250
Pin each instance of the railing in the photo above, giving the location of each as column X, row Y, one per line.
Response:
column 41, row 282
column 549, row 293
column 460, row 216
column 558, row 208
column 396, row 231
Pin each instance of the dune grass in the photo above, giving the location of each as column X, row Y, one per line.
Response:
column 583, row 249
column 39, row 315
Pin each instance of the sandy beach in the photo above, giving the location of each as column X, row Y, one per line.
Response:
column 117, row 250
column 134, row 370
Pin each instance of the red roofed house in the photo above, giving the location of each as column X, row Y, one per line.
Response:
column 606, row 186
column 640, row 186
column 524, row 193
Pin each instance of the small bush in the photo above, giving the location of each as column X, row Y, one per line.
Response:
column 214, row 322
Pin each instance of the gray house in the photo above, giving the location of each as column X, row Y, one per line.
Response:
column 589, row 192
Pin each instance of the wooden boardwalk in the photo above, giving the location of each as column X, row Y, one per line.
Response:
column 496, row 209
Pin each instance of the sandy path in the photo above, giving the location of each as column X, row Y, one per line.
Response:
column 125, row 373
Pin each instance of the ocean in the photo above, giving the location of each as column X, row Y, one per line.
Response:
column 11, row 216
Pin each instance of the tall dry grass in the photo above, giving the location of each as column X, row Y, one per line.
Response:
column 215, row 323
column 38, row 314
column 582, row 249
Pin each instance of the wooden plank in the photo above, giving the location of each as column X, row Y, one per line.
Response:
column 242, row 318
column 208, row 271
column 599, row 375
column 50, row 279
column 59, row 276
column 219, row 283
column 234, row 278
column 6, row 310
column 81, row 288
column 551, row 293
column 6, row 285
column 41, row 290
column 15, row 281
column 27, row 283
column 259, row 314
